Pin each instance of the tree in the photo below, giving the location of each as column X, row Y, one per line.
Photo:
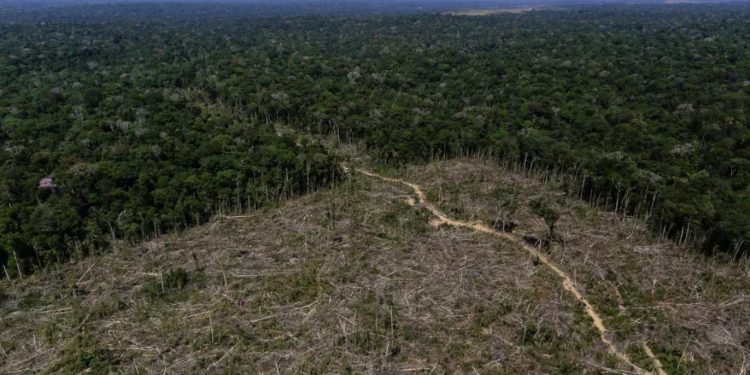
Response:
column 544, row 209
column 507, row 202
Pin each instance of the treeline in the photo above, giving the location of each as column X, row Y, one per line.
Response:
column 148, row 126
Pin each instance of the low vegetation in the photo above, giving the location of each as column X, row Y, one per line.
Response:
column 378, row 288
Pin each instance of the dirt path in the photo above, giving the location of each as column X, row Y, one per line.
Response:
column 567, row 281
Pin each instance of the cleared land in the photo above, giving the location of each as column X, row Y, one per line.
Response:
column 355, row 279
column 539, row 256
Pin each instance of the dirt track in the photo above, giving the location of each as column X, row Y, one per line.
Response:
column 567, row 281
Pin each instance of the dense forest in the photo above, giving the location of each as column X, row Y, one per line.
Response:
column 119, row 126
column 113, row 132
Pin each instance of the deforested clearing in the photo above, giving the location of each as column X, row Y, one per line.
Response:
column 355, row 279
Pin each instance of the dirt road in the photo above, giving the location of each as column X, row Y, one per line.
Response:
column 567, row 281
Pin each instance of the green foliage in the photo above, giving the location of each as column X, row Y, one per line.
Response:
column 145, row 135
column 301, row 286
column 135, row 142
column 172, row 286
column 544, row 209
column 85, row 354
column 378, row 318
column 406, row 217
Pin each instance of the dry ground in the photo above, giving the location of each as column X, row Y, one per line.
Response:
column 353, row 279
column 691, row 309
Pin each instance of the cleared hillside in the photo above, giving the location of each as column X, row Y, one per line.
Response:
column 355, row 279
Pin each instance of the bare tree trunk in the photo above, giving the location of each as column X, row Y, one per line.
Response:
column 111, row 231
column 18, row 263
column 617, row 202
column 38, row 261
column 653, row 201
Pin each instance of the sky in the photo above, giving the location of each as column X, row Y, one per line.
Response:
column 378, row 3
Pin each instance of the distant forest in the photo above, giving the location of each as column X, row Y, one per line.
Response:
column 126, row 121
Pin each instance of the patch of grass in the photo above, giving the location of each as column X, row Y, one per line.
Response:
column 106, row 308
column 485, row 317
column 30, row 301
column 377, row 318
column 175, row 285
column 670, row 356
column 50, row 332
column 584, row 212
column 406, row 218
column 537, row 335
column 583, row 322
column 563, row 349
column 639, row 356
column 302, row 285
column 456, row 351
column 8, row 346
column 85, row 354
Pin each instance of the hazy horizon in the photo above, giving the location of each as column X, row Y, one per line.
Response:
column 364, row 2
